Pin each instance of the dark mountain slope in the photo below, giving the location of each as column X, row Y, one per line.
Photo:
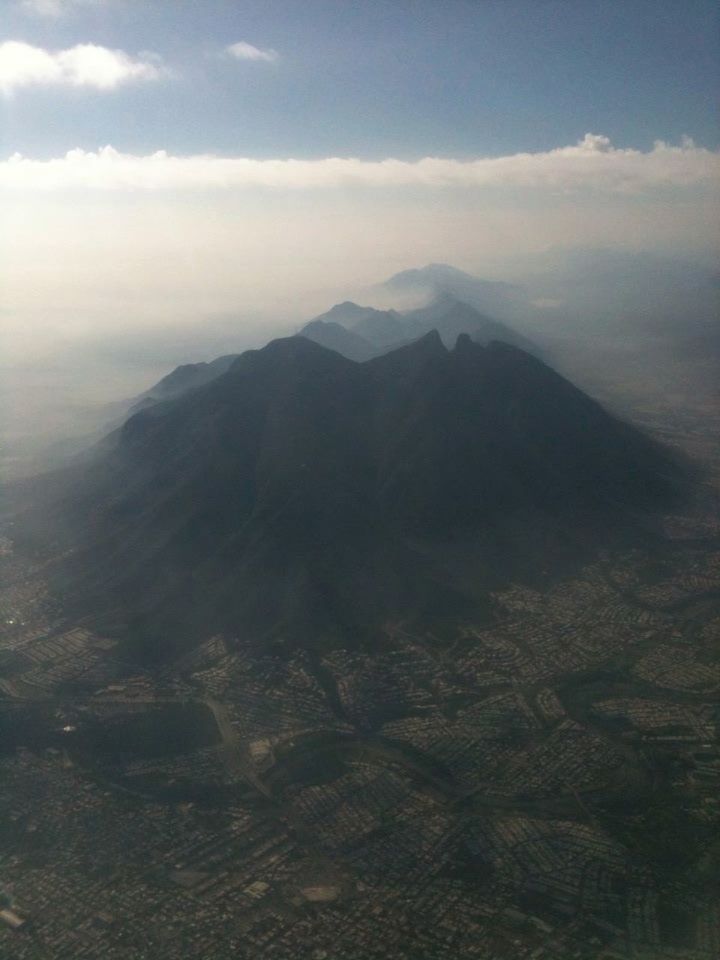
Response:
column 495, row 431
column 304, row 499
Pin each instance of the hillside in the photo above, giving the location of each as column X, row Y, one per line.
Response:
column 303, row 498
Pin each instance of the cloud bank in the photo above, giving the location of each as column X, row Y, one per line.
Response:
column 246, row 51
column 593, row 163
column 84, row 65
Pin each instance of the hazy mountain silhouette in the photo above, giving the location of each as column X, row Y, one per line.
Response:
column 303, row 498
column 350, row 314
column 383, row 330
column 378, row 329
column 489, row 296
column 188, row 377
column 335, row 337
column 362, row 332
column 452, row 317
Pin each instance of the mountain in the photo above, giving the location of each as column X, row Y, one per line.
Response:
column 358, row 333
column 335, row 337
column 350, row 314
column 383, row 330
column 490, row 296
column 304, row 499
column 451, row 318
column 380, row 328
column 439, row 275
column 188, row 376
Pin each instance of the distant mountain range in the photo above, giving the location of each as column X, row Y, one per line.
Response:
column 493, row 297
column 336, row 337
column 359, row 333
column 303, row 498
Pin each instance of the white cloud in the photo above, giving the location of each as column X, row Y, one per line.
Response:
column 246, row 51
column 55, row 8
column 592, row 164
column 85, row 65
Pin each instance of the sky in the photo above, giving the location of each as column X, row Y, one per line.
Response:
column 176, row 176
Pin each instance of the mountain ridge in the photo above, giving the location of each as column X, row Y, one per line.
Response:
column 301, row 496
column 383, row 330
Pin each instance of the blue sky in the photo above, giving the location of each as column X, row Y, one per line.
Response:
column 371, row 79
column 177, row 170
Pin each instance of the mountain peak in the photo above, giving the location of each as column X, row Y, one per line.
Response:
column 431, row 340
column 278, row 357
column 452, row 316
column 294, row 347
column 431, row 273
column 410, row 359
column 347, row 313
column 348, row 307
column 464, row 343
column 335, row 336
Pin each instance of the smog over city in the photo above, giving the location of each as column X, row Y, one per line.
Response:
column 359, row 480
